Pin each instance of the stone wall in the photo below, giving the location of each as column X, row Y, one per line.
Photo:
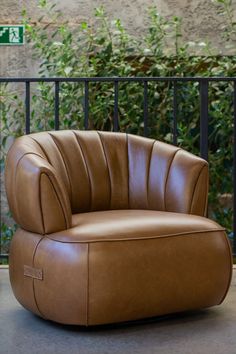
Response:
column 200, row 22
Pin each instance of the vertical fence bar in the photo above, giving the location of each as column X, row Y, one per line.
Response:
column 115, row 123
column 234, row 173
column 56, row 106
column 175, row 107
column 0, row 241
column 86, row 104
column 4, row 258
column 204, row 118
column 145, row 108
column 0, row 197
column 27, row 107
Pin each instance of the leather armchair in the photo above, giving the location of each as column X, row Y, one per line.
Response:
column 112, row 228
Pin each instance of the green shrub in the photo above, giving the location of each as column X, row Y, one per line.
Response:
column 104, row 48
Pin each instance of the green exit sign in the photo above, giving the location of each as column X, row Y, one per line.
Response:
column 12, row 35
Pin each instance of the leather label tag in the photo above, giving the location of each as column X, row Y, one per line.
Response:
column 31, row 272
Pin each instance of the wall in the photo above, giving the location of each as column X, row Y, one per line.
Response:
column 199, row 22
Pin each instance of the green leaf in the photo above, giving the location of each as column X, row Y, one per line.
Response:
column 42, row 3
column 84, row 25
column 68, row 70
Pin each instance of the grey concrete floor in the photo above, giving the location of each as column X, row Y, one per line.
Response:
column 211, row 331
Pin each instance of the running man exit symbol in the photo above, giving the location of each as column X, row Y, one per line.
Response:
column 12, row 35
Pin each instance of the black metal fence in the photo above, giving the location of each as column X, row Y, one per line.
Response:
column 203, row 110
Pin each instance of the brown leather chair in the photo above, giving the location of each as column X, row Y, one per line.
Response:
column 112, row 228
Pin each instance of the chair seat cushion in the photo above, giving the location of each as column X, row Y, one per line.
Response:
column 112, row 225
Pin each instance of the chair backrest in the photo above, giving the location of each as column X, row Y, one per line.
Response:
column 103, row 170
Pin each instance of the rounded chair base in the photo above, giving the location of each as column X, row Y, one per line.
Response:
column 87, row 282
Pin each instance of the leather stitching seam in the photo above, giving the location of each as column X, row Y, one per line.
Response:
column 194, row 189
column 127, row 143
column 167, row 176
column 61, row 154
column 231, row 269
column 44, row 151
column 107, row 167
column 142, row 238
column 148, row 171
column 58, row 199
column 40, row 204
column 87, row 297
column 85, row 163
column 33, row 280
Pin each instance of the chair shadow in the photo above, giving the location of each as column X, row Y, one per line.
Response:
column 158, row 321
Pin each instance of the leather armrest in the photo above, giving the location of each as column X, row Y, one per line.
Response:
column 40, row 203
column 187, row 184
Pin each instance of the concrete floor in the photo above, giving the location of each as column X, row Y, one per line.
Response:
column 211, row 331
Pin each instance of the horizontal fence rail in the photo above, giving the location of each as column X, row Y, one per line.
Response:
column 203, row 110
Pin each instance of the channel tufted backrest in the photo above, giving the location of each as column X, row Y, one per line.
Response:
column 51, row 175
